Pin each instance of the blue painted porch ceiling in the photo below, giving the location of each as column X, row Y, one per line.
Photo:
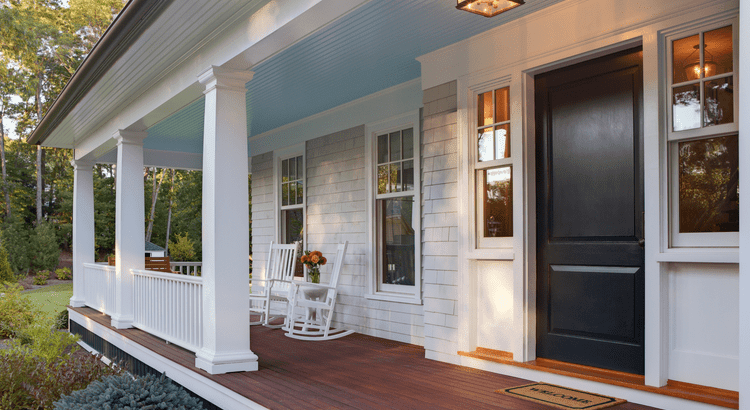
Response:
column 372, row 48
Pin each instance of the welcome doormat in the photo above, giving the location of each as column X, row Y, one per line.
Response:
column 561, row 397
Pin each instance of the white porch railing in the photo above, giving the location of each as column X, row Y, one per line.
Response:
column 187, row 268
column 169, row 306
column 100, row 280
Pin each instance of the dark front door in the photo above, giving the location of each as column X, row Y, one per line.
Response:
column 589, row 151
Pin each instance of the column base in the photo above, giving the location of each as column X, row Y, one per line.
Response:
column 74, row 302
column 216, row 363
column 122, row 322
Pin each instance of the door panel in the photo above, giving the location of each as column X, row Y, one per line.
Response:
column 590, row 213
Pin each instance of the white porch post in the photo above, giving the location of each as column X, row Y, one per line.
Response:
column 129, row 222
column 744, row 148
column 83, row 226
column 226, row 331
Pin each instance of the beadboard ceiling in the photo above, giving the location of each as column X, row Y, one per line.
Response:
column 372, row 48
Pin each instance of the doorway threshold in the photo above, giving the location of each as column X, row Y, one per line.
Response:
column 688, row 391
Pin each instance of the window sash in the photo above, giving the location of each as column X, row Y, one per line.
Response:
column 702, row 131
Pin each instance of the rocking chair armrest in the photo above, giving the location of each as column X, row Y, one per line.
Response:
column 260, row 280
column 313, row 285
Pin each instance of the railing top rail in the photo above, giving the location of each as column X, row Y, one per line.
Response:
column 98, row 266
column 168, row 276
column 186, row 263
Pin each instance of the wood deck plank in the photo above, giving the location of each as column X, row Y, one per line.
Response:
column 354, row 372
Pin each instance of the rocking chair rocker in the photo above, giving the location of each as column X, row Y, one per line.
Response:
column 311, row 306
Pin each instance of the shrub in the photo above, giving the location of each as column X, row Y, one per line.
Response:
column 42, row 340
column 183, row 249
column 45, row 246
column 41, row 277
column 61, row 321
column 6, row 273
column 15, row 238
column 16, row 311
column 63, row 274
column 27, row 382
column 125, row 392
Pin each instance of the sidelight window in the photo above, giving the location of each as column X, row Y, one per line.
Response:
column 703, row 138
column 493, row 169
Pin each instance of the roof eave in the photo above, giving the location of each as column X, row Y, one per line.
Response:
column 130, row 23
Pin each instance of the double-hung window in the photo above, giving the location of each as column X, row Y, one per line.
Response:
column 493, row 170
column 396, row 212
column 291, row 188
column 703, row 138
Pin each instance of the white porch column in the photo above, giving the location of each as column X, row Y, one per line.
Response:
column 744, row 148
column 83, row 226
column 129, row 222
column 226, row 241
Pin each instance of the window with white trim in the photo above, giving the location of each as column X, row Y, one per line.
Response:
column 703, row 137
column 493, row 170
column 394, row 209
column 292, row 195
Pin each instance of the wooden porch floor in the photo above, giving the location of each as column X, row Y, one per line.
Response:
column 354, row 372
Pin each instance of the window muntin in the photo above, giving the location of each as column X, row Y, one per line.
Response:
column 292, row 190
column 703, row 139
column 292, row 199
column 395, row 176
column 493, row 169
column 702, row 80
column 493, row 125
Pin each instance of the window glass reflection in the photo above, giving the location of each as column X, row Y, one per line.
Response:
column 498, row 202
column 709, row 185
column 686, row 107
column 719, row 105
column 397, row 241
column 486, row 145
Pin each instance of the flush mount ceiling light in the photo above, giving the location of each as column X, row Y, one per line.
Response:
column 488, row 8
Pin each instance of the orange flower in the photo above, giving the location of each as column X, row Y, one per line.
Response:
column 303, row 259
column 317, row 253
column 315, row 259
column 323, row 260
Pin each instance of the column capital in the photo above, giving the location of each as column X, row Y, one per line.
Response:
column 129, row 137
column 82, row 164
column 224, row 78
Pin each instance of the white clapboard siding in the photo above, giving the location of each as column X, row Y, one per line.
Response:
column 440, row 219
column 100, row 288
column 169, row 306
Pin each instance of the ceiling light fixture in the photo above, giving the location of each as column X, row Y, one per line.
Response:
column 488, row 8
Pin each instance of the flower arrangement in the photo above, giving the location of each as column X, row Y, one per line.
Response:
column 314, row 260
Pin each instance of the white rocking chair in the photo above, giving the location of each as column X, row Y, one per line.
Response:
column 275, row 288
column 311, row 306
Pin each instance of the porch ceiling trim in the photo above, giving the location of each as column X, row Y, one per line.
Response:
column 132, row 20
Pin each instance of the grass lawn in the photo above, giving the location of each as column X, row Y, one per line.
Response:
column 51, row 299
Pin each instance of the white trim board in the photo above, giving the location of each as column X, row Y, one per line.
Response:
column 632, row 395
column 204, row 387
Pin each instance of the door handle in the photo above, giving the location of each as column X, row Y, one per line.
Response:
column 642, row 243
